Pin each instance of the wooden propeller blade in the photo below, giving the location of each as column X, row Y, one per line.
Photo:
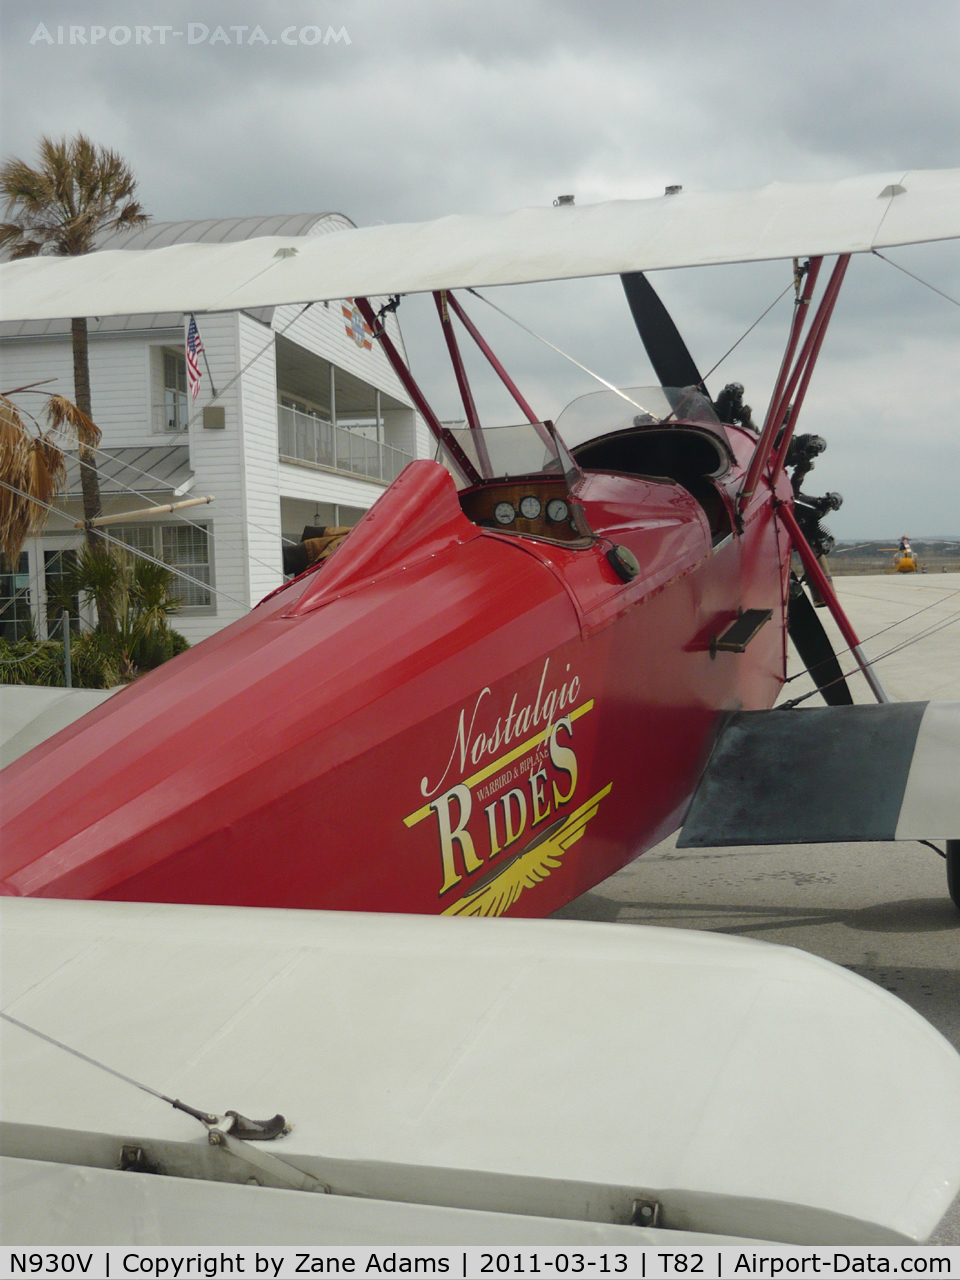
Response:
column 816, row 652
column 668, row 353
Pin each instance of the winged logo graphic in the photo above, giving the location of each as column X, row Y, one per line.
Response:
column 499, row 889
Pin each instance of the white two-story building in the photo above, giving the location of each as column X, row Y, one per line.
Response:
column 299, row 421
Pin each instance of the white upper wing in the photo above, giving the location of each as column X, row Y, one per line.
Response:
column 782, row 220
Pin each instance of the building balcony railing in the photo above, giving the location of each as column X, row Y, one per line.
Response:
column 304, row 438
column 173, row 414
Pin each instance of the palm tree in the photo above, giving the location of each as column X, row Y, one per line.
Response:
column 142, row 596
column 77, row 190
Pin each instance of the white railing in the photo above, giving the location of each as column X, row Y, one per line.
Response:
column 173, row 414
column 304, row 438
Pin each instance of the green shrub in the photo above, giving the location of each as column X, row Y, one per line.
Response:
column 137, row 639
column 97, row 661
column 24, row 662
column 94, row 662
column 157, row 647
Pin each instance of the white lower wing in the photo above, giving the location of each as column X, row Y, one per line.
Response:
column 827, row 774
column 539, row 1068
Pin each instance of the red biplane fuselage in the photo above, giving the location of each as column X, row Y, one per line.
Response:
column 444, row 717
column 499, row 689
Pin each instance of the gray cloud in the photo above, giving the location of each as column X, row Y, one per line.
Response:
column 435, row 108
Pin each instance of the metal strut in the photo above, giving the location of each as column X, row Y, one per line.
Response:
column 797, row 380
column 816, row 342
column 495, row 364
column 822, row 583
column 446, row 438
column 466, row 395
column 446, row 302
column 771, row 422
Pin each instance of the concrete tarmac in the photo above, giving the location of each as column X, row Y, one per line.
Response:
column 879, row 909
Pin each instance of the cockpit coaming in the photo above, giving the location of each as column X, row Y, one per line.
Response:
column 671, row 437
column 528, row 482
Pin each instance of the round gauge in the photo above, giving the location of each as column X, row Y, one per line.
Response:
column 530, row 507
column 557, row 510
column 504, row 513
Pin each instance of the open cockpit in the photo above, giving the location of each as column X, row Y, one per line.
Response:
column 531, row 473
column 663, row 434
column 529, row 479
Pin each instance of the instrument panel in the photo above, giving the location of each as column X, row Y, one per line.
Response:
column 537, row 508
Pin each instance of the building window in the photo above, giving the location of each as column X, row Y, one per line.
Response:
column 182, row 546
column 142, row 537
column 172, row 414
column 16, row 620
column 185, row 546
column 56, row 564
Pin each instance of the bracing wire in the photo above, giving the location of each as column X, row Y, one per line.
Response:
column 150, row 476
column 559, row 351
column 135, row 550
column 203, row 1116
column 763, row 315
column 899, row 623
column 6, row 662
column 253, row 359
column 923, row 635
column 21, row 592
column 145, row 555
column 926, row 283
column 746, row 333
column 193, row 524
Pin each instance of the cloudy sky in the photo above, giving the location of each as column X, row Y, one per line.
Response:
column 411, row 109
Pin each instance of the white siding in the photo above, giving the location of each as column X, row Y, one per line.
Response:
column 23, row 361
column 259, row 456
column 120, row 378
column 217, row 461
column 309, row 483
column 240, row 464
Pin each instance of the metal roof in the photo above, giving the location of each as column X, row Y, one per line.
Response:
column 160, row 235
column 121, row 470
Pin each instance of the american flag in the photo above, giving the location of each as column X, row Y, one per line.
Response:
column 194, row 348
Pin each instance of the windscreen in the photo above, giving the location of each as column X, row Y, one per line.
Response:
column 603, row 412
column 501, row 453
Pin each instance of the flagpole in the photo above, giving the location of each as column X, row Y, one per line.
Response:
column 210, row 375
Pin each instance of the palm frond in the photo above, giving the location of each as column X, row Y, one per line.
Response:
column 43, row 474
column 64, row 415
column 77, row 190
column 33, row 468
column 100, row 570
column 151, row 597
column 14, row 506
column 14, row 437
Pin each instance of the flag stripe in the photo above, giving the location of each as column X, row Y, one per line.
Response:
column 194, row 348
